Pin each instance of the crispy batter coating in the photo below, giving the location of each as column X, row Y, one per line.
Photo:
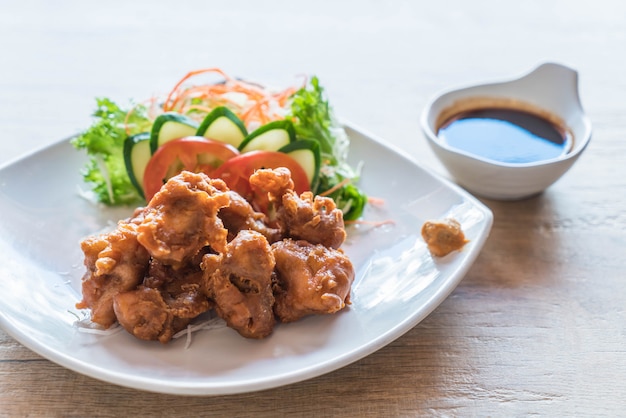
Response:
column 313, row 218
column 116, row 263
column 443, row 237
column 144, row 314
column 310, row 279
column 198, row 246
column 165, row 303
column 240, row 283
column 181, row 218
column 272, row 182
column 182, row 288
column 240, row 215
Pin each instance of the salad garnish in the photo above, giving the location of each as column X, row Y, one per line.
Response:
column 242, row 114
column 104, row 142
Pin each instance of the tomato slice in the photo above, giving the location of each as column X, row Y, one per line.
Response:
column 236, row 172
column 192, row 153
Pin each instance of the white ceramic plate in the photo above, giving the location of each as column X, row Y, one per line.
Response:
column 397, row 283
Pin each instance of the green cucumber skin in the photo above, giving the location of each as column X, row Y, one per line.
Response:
column 161, row 120
column 129, row 145
column 284, row 124
column 306, row 145
column 220, row 112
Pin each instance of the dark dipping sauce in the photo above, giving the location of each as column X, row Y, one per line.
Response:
column 505, row 135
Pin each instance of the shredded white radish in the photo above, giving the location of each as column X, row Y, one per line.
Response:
column 99, row 331
column 206, row 325
column 85, row 325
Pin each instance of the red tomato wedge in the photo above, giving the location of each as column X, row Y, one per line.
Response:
column 236, row 172
column 191, row 153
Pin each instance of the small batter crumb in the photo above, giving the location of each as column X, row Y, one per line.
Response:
column 443, row 237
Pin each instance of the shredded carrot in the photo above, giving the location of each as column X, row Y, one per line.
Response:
column 174, row 91
column 247, row 116
column 151, row 101
column 257, row 112
column 204, row 97
column 256, row 93
column 335, row 187
column 372, row 223
column 375, row 200
column 284, row 95
column 130, row 112
column 258, row 107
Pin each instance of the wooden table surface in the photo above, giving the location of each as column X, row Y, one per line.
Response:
column 537, row 326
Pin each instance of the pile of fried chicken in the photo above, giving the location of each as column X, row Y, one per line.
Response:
column 199, row 246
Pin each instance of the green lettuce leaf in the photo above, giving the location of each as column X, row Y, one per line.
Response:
column 314, row 119
column 105, row 171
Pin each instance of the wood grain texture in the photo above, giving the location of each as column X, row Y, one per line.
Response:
column 538, row 325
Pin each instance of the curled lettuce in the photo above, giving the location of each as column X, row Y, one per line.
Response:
column 103, row 142
column 314, row 119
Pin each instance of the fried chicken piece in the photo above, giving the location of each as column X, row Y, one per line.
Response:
column 312, row 218
column 240, row 215
column 181, row 218
column 268, row 186
column 116, row 263
column 315, row 219
column 310, row 279
column 443, row 237
column 272, row 182
column 182, row 288
column 165, row 303
column 144, row 314
column 240, row 283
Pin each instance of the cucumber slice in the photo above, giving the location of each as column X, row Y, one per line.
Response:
column 270, row 137
column 136, row 156
column 224, row 126
column 307, row 153
column 170, row 126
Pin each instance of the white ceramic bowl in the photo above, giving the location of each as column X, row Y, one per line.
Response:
column 550, row 87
